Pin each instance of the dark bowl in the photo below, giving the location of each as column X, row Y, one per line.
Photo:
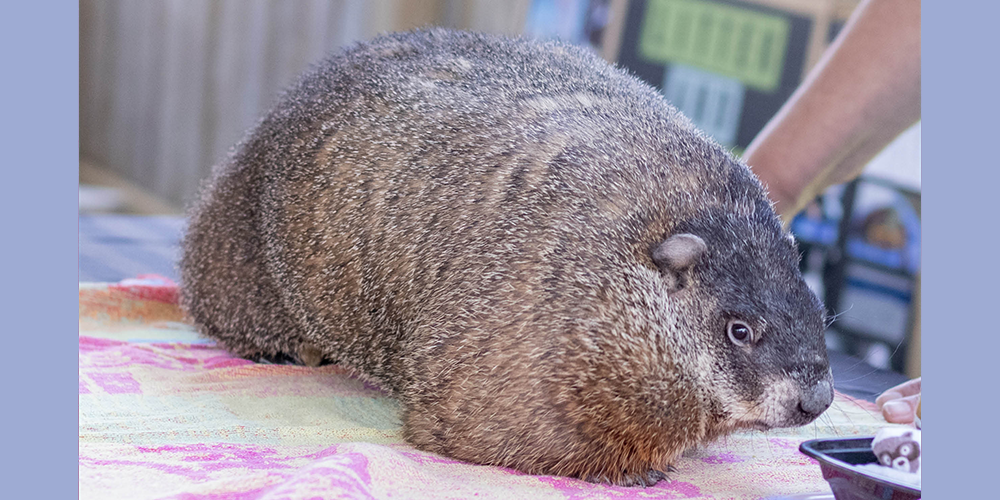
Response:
column 839, row 458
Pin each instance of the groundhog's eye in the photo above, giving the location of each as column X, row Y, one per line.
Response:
column 739, row 332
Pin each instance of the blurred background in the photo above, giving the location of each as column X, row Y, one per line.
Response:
column 168, row 86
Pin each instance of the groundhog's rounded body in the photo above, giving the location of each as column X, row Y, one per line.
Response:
column 486, row 227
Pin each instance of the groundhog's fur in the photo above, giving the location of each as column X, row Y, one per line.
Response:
column 536, row 253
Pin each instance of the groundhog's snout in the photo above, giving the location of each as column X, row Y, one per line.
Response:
column 816, row 398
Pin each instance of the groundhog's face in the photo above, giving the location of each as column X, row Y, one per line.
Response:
column 734, row 280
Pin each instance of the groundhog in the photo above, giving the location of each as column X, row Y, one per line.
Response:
column 546, row 263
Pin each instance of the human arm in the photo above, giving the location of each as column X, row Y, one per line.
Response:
column 861, row 95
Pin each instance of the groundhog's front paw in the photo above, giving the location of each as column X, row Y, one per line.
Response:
column 310, row 355
column 644, row 479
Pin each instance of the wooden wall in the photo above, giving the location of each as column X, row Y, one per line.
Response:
column 168, row 86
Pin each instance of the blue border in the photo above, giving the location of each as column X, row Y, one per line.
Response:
column 960, row 187
column 960, row 300
column 39, row 139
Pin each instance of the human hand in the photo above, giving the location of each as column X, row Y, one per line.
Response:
column 899, row 404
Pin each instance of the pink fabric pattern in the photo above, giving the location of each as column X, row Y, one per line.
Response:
column 164, row 414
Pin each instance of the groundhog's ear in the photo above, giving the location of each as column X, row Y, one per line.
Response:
column 677, row 254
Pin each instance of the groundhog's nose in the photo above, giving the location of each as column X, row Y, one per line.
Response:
column 817, row 399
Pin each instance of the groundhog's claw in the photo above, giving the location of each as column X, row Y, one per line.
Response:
column 644, row 479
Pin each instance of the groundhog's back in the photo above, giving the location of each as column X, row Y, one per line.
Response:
column 416, row 175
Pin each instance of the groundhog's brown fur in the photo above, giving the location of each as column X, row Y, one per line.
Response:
column 546, row 263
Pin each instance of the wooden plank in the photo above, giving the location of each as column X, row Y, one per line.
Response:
column 98, row 41
column 349, row 25
column 123, row 87
column 317, row 17
column 89, row 59
column 141, row 105
column 167, row 87
column 381, row 16
column 498, row 17
column 612, row 38
column 418, row 13
column 230, row 84
column 180, row 132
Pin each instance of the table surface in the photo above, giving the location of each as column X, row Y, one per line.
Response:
column 117, row 247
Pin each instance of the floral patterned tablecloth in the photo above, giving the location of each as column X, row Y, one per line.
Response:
column 165, row 413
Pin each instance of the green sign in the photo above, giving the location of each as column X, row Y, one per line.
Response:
column 742, row 44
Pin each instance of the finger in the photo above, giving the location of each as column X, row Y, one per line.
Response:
column 885, row 397
column 909, row 388
column 906, row 389
column 902, row 410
